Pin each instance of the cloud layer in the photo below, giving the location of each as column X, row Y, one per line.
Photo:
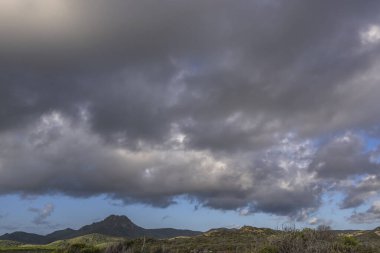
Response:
column 261, row 106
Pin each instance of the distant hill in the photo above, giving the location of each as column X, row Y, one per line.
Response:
column 245, row 230
column 114, row 225
column 61, row 234
column 23, row 237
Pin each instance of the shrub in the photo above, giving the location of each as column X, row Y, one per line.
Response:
column 119, row 248
column 268, row 249
column 350, row 241
column 79, row 248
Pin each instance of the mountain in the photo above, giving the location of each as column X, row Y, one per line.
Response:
column 61, row 234
column 122, row 226
column 164, row 233
column 23, row 237
column 114, row 225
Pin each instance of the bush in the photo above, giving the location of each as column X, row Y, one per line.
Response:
column 268, row 249
column 350, row 241
column 119, row 248
column 79, row 248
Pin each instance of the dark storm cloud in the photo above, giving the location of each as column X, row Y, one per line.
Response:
column 58, row 155
column 148, row 100
column 343, row 157
column 349, row 167
column 262, row 61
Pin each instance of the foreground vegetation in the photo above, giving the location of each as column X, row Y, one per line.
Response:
column 87, row 243
column 244, row 240
column 252, row 240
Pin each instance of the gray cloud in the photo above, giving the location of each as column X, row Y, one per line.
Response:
column 347, row 166
column 211, row 68
column 369, row 216
column 357, row 194
column 319, row 221
column 42, row 214
column 244, row 105
column 165, row 217
column 343, row 157
column 63, row 156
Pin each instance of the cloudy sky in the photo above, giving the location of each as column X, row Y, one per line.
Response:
column 191, row 114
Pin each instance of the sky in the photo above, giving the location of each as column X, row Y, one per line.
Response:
column 189, row 114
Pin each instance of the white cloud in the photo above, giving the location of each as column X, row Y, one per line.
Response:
column 370, row 35
column 42, row 213
column 313, row 221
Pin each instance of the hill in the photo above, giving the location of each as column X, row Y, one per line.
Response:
column 61, row 234
column 97, row 240
column 24, row 237
column 113, row 225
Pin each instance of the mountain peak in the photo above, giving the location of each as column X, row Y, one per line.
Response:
column 118, row 222
column 115, row 225
column 117, row 218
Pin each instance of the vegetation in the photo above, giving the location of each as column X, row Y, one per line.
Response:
column 79, row 248
column 253, row 240
column 7, row 243
column 244, row 240
column 96, row 240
